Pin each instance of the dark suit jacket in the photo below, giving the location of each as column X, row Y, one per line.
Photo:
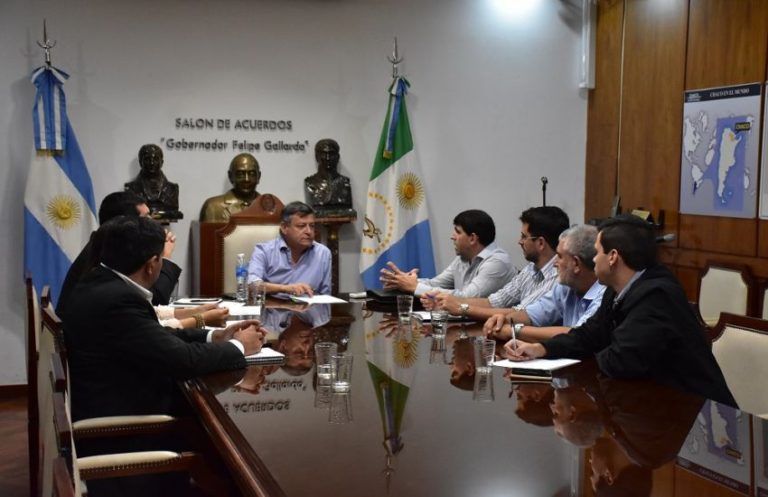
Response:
column 652, row 334
column 121, row 360
column 161, row 290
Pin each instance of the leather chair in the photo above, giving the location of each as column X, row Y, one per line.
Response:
column 219, row 243
column 725, row 288
column 61, row 434
column 53, row 377
column 740, row 347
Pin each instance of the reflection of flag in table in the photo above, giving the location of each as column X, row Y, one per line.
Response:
column 391, row 364
column 396, row 226
column 59, row 209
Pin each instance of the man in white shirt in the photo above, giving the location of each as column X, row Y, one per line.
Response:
column 479, row 269
column 539, row 233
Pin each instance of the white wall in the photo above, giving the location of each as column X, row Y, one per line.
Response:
column 494, row 104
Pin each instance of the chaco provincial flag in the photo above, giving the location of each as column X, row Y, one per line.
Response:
column 396, row 225
column 59, row 208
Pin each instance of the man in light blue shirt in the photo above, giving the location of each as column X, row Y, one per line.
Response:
column 293, row 263
column 572, row 301
column 479, row 269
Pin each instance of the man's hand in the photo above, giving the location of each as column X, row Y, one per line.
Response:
column 517, row 350
column 298, row 289
column 222, row 335
column 428, row 300
column 216, row 316
column 394, row 278
column 448, row 302
column 170, row 244
column 497, row 327
column 251, row 338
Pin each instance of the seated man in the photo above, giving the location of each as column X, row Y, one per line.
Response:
column 479, row 269
column 121, row 360
column 644, row 327
column 571, row 302
column 293, row 263
column 115, row 204
column 541, row 227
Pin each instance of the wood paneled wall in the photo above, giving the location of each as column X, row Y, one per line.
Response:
column 648, row 53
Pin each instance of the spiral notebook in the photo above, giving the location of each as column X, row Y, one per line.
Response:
column 265, row 356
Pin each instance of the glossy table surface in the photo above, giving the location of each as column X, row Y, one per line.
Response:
column 419, row 422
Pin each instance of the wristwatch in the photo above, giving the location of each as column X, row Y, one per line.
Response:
column 464, row 308
column 518, row 329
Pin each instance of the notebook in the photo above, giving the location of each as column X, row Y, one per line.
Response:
column 536, row 367
column 265, row 356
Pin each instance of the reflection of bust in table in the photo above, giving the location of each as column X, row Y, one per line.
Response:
column 161, row 196
column 327, row 191
column 244, row 174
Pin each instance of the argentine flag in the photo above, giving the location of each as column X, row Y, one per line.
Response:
column 59, row 209
column 396, row 224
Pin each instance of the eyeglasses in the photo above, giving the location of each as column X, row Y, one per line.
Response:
column 524, row 237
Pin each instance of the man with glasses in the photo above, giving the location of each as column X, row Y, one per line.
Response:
column 644, row 329
column 293, row 263
column 541, row 227
column 571, row 302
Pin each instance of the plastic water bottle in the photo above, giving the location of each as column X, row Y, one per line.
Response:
column 241, row 274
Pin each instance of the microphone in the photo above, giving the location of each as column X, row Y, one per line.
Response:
column 666, row 238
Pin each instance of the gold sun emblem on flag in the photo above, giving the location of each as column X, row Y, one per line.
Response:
column 410, row 191
column 63, row 211
column 406, row 351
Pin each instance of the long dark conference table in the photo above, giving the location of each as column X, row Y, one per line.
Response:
column 416, row 424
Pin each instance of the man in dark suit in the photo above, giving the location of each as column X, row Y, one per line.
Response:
column 644, row 328
column 123, row 204
column 122, row 361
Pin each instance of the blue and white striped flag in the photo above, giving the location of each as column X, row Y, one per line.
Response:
column 396, row 226
column 59, row 208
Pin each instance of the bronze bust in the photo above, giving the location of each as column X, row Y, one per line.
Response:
column 161, row 195
column 244, row 174
column 327, row 191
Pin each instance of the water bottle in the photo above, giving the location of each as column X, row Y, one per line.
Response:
column 241, row 275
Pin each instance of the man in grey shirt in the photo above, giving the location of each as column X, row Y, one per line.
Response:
column 479, row 269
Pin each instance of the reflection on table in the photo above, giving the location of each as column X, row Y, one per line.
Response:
column 418, row 421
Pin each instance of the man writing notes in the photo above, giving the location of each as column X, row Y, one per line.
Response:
column 293, row 263
column 479, row 269
column 541, row 227
column 122, row 361
column 644, row 327
column 575, row 298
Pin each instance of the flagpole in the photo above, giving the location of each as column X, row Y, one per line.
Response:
column 395, row 59
column 46, row 44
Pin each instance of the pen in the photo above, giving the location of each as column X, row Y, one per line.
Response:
column 514, row 335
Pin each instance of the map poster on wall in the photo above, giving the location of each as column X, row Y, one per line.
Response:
column 721, row 135
column 718, row 447
column 764, row 172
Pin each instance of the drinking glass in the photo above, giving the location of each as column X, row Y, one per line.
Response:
column 404, row 308
column 324, row 352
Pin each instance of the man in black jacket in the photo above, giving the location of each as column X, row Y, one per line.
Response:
column 123, row 204
column 644, row 327
column 121, row 360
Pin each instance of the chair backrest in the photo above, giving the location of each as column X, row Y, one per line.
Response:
column 221, row 242
column 764, row 297
column 63, row 485
column 725, row 288
column 33, row 401
column 741, row 348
